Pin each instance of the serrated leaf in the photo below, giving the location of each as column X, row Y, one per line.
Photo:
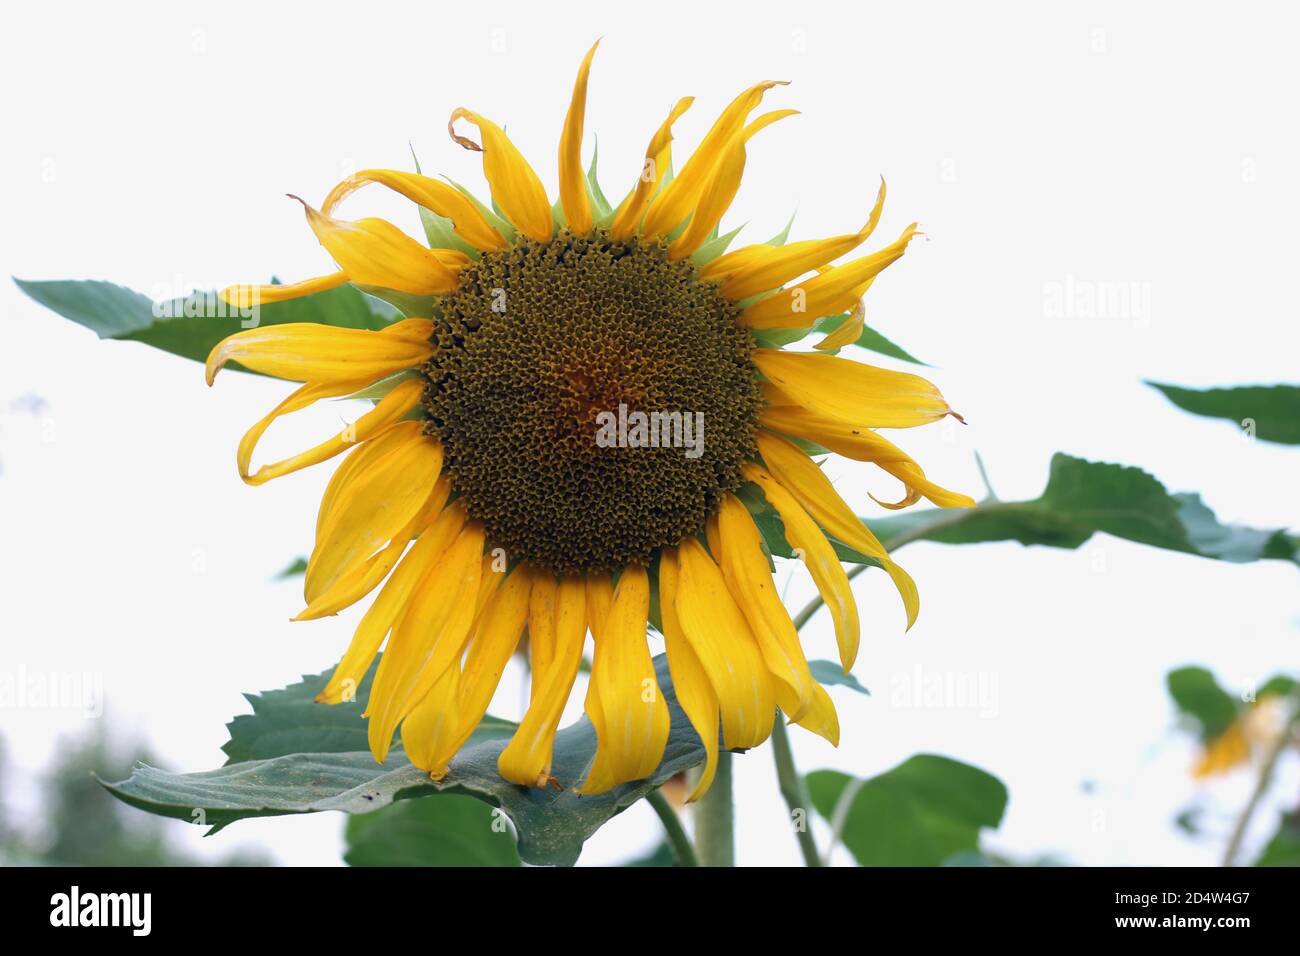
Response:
column 197, row 323
column 1269, row 412
column 449, row 831
column 920, row 813
column 1083, row 498
column 552, row 824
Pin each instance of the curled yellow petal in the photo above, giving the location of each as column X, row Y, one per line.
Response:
column 853, row 392
column 310, row 352
column 800, row 476
column 821, row 718
column 387, row 609
column 679, row 198
column 745, row 569
column 432, row 194
column 695, row 694
column 375, row 252
column 392, row 408
column 657, row 160
column 526, row 760
column 827, row 572
column 633, row 728
column 861, row 444
column 251, row 296
column 372, row 509
column 850, row 330
column 834, row 290
column 573, row 183
column 718, row 633
column 515, row 187
column 428, row 640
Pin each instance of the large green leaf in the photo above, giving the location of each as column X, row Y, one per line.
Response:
column 449, row 831
column 1083, row 498
column 920, row 813
column 552, row 824
column 1269, row 412
column 190, row 327
column 1198, row 695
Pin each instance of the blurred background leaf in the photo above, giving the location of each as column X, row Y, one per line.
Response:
column 1267, row 412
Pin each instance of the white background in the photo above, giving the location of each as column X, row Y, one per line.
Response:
column 1154, row 148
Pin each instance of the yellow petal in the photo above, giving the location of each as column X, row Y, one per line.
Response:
column 800, row 476
column 526, row 760
column 391, row 409
column 634, row 729
column 375, row 252
column 251, row 296
column 372, row 508
column 679, row 198
column 515, row 187
column 860, row 444
column 853, row 392
column 833, row 291
column 573, row 184
column 428, row 640
column 390, row 605
column 744, row 566
column 359, row 580
column 310, row 352
column 690, row 681
column 432, row 194
column 850, row 330
column 720, row 637
column 773, row 266
column 827, row 572
column 821, row 718
column 432, row 725
column 657, row 160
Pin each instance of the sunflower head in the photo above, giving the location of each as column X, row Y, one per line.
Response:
column 577, row 415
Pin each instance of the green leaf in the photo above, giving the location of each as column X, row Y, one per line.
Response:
column 1083, row 498
column 1198, row 695
column 192, row 326
column 921, row 813
column 295, row 568
column 449, row 831
column 830, row 672
column 552, row 824
column 1284, row 848
column 875, row 342
column 1269, row 412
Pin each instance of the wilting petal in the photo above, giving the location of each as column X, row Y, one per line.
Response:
column 853, row 392
column 821, row 718
column 310, row 352
column 390, row 605
column 372, row 508
column 432, row 725
column 436, row 196
column 860, row 444
column 690, row 681
column 573, row 182
column 831, row 292
column 657, row 160
column 526, row 760
column 375, row 252
column 799, row 475
column 391, row 409
column 773, row 266
column 680, row 197
column 634, row 724
column 744, row 566
column 429, row 638
column 720, row 636
column 515, row 187
column 850, row 330
column 251, row 296
column 827, row 572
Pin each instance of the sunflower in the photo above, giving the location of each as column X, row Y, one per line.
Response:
column 477, row 494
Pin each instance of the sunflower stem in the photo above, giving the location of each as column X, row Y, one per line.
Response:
column 715, row 819
column 683, row 851
column 794, row 791
column 1262, row 783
